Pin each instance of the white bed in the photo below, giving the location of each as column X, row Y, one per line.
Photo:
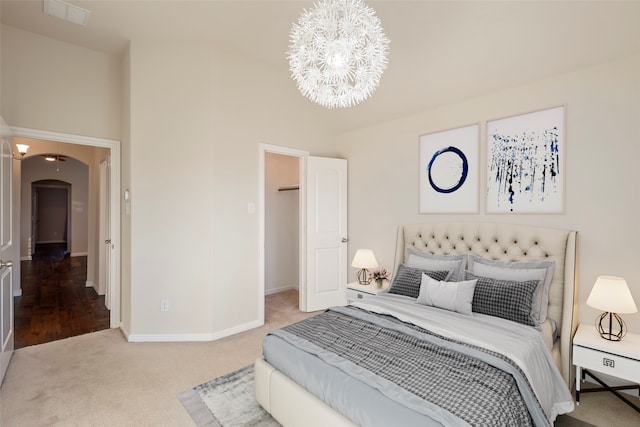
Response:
column 292, row 405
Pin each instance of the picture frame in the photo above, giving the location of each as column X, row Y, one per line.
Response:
column 526, row 163
column 449, row 171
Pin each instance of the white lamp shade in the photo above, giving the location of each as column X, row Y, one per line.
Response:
column 364, row 258
column 611, row 294
column 22, row 148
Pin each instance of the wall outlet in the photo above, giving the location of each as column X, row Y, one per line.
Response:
column 164, row 305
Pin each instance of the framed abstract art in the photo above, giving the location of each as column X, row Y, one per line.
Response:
column 449, row 171
column 525, row 163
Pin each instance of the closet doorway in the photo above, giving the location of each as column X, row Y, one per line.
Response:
column 280, row 190
column 282, row 226
column 320, row 230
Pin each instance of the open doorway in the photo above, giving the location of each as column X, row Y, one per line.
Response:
column 321, row 227
column 58, row 296
column 281, row 236
column 90, row 151
column 282, row 228
column 50, row 215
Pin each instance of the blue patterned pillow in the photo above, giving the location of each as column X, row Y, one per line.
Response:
column 407, row 280
column 505, row 298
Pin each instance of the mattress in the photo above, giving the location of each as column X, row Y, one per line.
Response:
column 367, row 399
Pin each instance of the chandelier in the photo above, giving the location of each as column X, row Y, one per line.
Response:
column 338, row 52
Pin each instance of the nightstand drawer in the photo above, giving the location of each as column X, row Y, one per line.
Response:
column 600, row 361
column 353, row 295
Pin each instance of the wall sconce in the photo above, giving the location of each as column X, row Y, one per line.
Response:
column 363, row 259
column 22, row 150
column 611, row 294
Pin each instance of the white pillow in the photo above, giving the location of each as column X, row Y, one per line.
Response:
column 520, row 271
column 432, row 262
column 452, row 296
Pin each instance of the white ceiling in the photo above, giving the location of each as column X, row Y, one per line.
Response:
column 441, row 51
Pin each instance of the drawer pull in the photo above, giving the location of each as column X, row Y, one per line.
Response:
column 608, row 362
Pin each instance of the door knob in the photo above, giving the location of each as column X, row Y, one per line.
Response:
column 5, row 264
column 345, row 240
column 107, row 241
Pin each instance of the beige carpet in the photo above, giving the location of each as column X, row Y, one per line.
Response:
column 101, row 380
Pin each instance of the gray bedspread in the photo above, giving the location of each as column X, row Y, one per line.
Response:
column 447, row 381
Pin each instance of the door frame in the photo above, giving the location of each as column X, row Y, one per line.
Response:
column 104, row 233
column 263, row 149
column 114, row 155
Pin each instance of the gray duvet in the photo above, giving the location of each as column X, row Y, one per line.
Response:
column 377, row 370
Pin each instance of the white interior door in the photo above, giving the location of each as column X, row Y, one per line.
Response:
column 6, row 250
column 326, row 233
column 105, row 248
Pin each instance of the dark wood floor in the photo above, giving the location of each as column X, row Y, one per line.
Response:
column 55, row 302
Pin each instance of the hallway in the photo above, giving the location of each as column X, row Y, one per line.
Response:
column 55, row 302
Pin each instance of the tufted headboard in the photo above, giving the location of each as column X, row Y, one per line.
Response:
column 510, row 242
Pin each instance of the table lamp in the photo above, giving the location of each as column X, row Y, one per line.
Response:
column 364, row 259
column 611, row 294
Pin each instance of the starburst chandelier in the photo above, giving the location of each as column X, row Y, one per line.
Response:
column 338, row 52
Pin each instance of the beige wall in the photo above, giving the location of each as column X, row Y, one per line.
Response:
column 198, row 115
column 282, row 212
column 55, row 86
column 602, row 198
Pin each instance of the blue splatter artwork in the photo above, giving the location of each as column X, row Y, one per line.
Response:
column 524, row 167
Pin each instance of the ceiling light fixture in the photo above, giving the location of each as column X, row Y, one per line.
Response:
column 54, row 157
column 67, row 11
column 338, row 52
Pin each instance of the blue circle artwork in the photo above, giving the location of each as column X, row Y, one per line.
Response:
column 459, row 174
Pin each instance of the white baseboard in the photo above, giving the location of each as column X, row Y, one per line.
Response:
column 26, row 258
column 79, row 254
column 17, row 292
column 280, row 289
column 191, row 337
column 90, row 284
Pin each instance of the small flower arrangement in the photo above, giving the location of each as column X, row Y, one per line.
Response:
column 379, row 275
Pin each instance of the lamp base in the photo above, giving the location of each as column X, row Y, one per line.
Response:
column 607, row 331
column 363, row 277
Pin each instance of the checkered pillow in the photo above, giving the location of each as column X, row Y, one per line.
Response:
column 506, row 299
column 407, row 280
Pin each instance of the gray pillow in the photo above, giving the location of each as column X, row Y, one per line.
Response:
column 407, row 280
column 428, row 261
column 519, row 271
column 506, row 299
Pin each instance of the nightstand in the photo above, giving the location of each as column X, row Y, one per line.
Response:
column 356, row 291
column 620, row 359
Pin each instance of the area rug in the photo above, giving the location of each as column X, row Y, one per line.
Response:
column 229, row 401
column 226, row 401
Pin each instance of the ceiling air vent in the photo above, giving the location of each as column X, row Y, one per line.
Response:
column 66, row 11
